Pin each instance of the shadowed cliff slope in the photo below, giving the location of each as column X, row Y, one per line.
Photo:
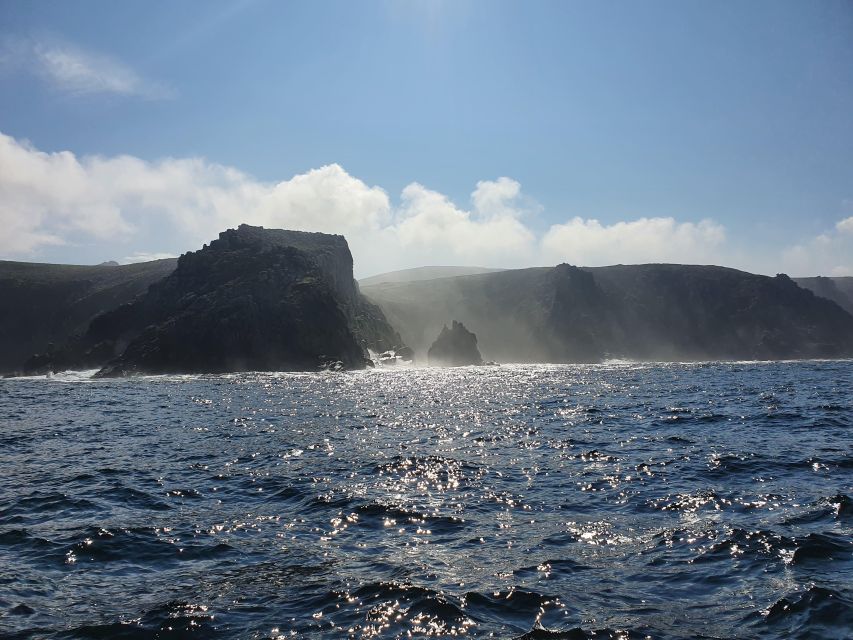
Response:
column 43, row 305
column 648, row 312
column 254, row 299
column 839, row 290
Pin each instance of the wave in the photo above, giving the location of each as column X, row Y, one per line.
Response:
column 814, row 547
column 578, row 633
column 812, row 613
column 173, row 619
column 44, row 507
column 391, row 609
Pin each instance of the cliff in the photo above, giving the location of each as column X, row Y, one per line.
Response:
column 643, row 312
column 272, row 299
column 42, row 306
column 254, row 299
column 839, row 290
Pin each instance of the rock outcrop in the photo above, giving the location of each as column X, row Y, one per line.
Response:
column 254, row 299
column 454, row 347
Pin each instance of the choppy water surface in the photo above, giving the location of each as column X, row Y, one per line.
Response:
column 614, row 501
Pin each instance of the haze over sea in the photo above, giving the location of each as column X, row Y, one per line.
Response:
column 622, row 500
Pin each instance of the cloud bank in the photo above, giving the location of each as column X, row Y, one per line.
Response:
column 141, row 209
column 635, row 241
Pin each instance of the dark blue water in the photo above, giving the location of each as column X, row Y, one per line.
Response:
column 613, row 501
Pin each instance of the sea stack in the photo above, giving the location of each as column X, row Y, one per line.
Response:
column 454, row 347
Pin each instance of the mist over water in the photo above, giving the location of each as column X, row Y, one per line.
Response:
column 617, row 501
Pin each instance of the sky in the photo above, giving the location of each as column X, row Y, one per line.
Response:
column 490, row 133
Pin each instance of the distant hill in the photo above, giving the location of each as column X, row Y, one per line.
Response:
column 839, row 290
column 44, row 304
column 645, row 312
column 424, row 273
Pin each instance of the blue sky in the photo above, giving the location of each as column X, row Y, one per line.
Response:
column 623, row 131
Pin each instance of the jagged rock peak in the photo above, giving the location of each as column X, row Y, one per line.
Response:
column 455, row 347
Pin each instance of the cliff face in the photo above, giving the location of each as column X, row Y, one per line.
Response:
column 644, row 312
column 42, row 306
column 332, row 256
column 254, row 299
column 672, row 312
column 577, row 325
column 839, row 290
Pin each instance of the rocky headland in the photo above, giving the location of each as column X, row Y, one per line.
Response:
column 255, row 299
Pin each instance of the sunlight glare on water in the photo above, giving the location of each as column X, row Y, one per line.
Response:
column 618, row 500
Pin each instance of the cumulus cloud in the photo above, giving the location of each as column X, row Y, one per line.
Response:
column 76, row 71
column 827, row 254
column 45, row 196
column 48, row 196
column 140, row 209
column 437, row 231
column 495, row 198
column 590, row 243
column 51, row 197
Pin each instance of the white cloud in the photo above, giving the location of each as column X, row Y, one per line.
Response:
column 497, row 198
column 828, row 254
column 433, row 230
column 590, row 243
column 76, row 71
column 49, row 197
column 127, row 206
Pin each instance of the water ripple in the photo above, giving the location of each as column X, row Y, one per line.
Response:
column 622, row 500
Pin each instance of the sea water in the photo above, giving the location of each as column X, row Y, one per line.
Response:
column 621, row 500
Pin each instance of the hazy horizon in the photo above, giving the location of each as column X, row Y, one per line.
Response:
column 464, row 269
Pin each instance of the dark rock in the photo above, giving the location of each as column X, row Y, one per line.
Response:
column 839, row 290
column 52, row 303
column 455, row 347
column 406, row 353
column 254, row 299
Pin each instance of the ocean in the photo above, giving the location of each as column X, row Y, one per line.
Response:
column 623, row 500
